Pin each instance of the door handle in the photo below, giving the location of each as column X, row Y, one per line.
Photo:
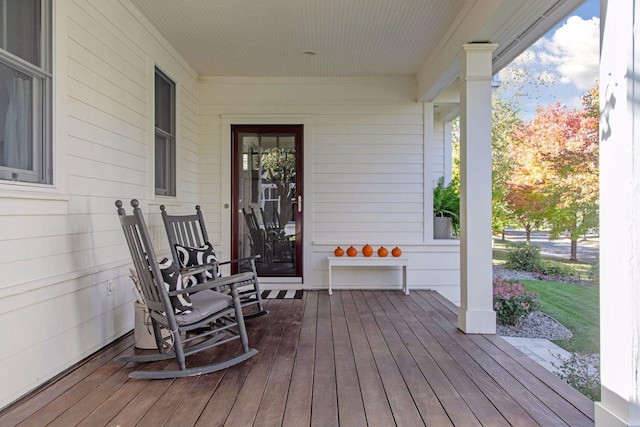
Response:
column 299, row 204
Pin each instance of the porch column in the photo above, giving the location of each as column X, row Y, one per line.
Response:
column 619, row 214
column 476, row 314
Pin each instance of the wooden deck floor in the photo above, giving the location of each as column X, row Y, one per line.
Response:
column 358, row 358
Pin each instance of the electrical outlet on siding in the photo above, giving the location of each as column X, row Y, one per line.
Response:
column 111, row 287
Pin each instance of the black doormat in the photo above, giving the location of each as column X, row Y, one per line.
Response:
column 282, row 294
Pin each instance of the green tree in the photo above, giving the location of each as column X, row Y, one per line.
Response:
column 505, row 119
column 279, row 165
column 556, row 172
column 519, row 83
column 574, row 160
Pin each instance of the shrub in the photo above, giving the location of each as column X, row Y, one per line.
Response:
column 554, row 268
column 512, row 302
column 594, row 271
column 446, row 202
column 522, row 256
column 582, row 372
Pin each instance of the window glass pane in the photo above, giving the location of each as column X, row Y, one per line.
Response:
column 266, row 189
column 161, row 164
column 164, row 104
column 20, row 27
column 25, row 94
column 16, row 119
column 165, row 154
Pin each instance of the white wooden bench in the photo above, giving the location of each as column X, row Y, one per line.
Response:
column 373, row 261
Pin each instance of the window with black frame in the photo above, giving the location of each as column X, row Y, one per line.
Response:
column 165, row 135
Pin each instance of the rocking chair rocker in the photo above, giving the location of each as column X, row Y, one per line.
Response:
column 197, row 317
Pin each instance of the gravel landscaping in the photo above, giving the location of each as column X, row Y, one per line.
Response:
column 537, row 324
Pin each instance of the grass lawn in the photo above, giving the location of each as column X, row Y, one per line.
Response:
column 576, row 307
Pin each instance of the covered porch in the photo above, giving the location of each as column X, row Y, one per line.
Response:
column 355, row 358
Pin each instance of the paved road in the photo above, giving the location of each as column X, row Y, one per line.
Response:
column 588, row 249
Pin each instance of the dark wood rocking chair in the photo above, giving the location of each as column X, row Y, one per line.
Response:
column 257, row 236
column 197, row 317
column 189, row 233
column 271, row 221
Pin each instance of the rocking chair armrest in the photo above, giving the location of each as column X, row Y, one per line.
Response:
column 215, row 283
column 196, row 269
column 210, row 284
column 277, row 235
column 240, row 260
column 201, row 268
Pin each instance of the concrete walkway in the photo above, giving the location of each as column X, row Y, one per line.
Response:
column 541, row 350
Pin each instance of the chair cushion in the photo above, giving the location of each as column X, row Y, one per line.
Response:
column 190, row 257
column 172, row 282
column 205, row 303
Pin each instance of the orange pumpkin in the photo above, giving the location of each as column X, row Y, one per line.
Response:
column 352, row 251
column 383, row 252
column 339, row 251
column 396, row 251
column 367, row 250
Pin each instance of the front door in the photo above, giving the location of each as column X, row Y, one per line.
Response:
column 267, row 197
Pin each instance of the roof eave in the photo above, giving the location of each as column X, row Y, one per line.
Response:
column 514, row 25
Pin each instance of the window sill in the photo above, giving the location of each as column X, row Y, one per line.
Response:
column 31, row 193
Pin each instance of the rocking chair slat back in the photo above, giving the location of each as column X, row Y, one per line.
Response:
column 190, row 231
column 136, row 242
column 208, row 319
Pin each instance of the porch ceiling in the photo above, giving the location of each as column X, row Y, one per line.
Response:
column 419, row 38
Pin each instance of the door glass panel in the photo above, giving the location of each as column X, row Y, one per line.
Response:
column 266, row 198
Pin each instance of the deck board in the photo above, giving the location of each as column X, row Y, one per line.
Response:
column 424, row 398
column 484, row 355
column 429, row 359
column 374, row 358
column 253, row 389
column 485, row 373
column 298, row 409
column 350, row 403
column 324, row 397
column 401, row 402
column 271, row 410
column 225, row 396
column 376, row 404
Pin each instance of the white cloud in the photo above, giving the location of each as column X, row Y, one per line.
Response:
column 573, row 51
column 527, row 57
column 558, row 68
column 546, row 78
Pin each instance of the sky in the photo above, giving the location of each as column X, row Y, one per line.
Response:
column 563, row 63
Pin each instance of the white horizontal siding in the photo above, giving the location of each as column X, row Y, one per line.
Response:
column 374, row 171
column 62, row 245
column 371, row 197
column 365, row 158
column 381, row 209
column 365, row 177
column 430, row 267
column 365, row 180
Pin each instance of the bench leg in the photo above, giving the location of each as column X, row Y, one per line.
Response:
column 330, row 290
column 405, row 283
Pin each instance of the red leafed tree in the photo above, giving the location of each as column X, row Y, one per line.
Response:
column 556, row 173
column 526, row 192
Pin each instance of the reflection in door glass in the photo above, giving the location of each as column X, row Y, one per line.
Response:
column 266, row 195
